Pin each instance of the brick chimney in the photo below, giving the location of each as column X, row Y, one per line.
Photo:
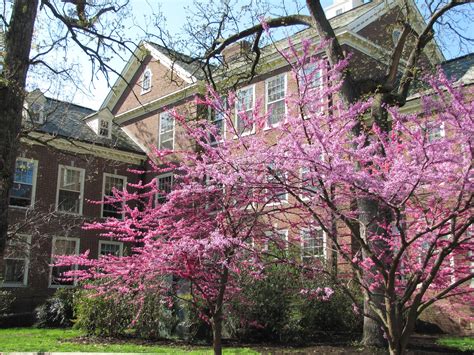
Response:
column 235, row 51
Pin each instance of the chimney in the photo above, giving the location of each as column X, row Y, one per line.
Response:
column 235, row 51
column 340, row 6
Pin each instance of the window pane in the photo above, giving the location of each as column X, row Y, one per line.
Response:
column 14, row 270
column 277, row 112
column 57, row 275
column 69, row 201
column 276, row 89
column 62, row 247
column 109, row 249
column 22, row 189
column 165, row 184
column 112, row 209
column 24, row 171
column 70, row 180
column 313, row 243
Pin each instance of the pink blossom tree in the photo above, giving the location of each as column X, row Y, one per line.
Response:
column 327, row 159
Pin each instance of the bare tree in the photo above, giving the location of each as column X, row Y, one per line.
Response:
column 94, row 27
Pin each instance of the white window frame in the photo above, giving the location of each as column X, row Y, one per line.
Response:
column 212, row 114
column 143, row 89
column 105, row 175
column 267, row 102
column 26, row 260
column 110, row 242
column 76, row 252
column 109, row 128
column 429, row 130
column 81, row 195
column 311, row 86
column 236, row 119
column 162, row 176
column 281, row 201
column 33, row 186
column 303, row 256
column 159, row 129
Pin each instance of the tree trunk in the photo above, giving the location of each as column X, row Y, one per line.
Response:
column 218, row 315
column 12, row 92
column 370, row 215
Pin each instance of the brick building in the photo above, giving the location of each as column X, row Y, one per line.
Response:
column 91, row 151
column 66, row 159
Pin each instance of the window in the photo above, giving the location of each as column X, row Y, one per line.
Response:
column 275, row 89
column 313, row 243
column 166, row 131
column 276, row 190
column 434, row 131
column 36, row 113
column 63, row 246
column 16, row 261
column 146, row 81
column 244, row 111
column 338, row 11
column 70, row 190
column 309, row 185
column 110, row 182
column 165, row 184
column 311, row 76
column 217, row 118
column 396, row 33
column 105, row 129
column 110, row 248
column 22, row 193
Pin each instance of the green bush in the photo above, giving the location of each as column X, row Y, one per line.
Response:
column 121, row 315
column 273, row 309
column 58, row 310
column 6, row 300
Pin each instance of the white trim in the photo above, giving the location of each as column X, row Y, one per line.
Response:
column 33, row 186
column 303, row 256
column 166, row 61
column 110, row 242
column 26, row 261
column 285, row 88
column 104, row 176
column 81, row 192
column 159, row 128
column 149, row 72
column 236, row 118
column 76, row 252
column 80, row 147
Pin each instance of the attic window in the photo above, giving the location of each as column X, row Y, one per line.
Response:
column 146, row 81
column 338, row 12
column 36, row 113
column 396, row 36
column 105, row 128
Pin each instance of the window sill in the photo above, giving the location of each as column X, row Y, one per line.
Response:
column 20, row 207
column 70, row 213
column 143, row 92
column 13, row 285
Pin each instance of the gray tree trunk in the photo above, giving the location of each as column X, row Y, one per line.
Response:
column 12, row 92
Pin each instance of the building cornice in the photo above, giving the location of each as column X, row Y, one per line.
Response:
column 83, row 148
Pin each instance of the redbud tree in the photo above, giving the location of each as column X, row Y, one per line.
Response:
column 308, row 167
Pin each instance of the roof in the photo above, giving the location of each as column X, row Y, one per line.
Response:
column 460, row 69
column 66, row 120
column 188, row 63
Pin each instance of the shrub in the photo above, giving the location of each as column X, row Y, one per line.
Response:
column 57, row 311
column 122, row 315
column 274, row 308
column 6, row 300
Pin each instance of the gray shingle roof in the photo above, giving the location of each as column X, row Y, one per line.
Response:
column 66, row 120
column 461, row 68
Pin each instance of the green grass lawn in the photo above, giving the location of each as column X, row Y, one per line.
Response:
column 59, row 340
column 463, row 344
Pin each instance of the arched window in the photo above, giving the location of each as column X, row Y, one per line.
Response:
column 146, row 81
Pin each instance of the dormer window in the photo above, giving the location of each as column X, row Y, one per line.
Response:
column 146, row 81
column 105, row 128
